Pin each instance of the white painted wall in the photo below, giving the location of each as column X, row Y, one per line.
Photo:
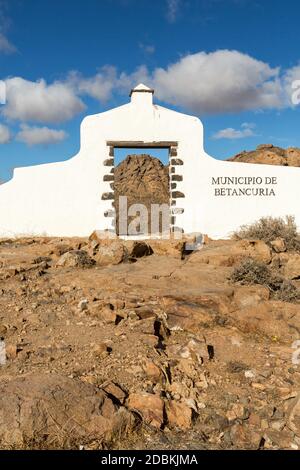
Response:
column 64, row 199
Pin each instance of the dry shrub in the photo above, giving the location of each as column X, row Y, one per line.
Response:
column 251, row 271
column 270, row 228
column 287, row 292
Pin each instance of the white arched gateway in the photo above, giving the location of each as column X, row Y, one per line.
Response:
column 75, row 197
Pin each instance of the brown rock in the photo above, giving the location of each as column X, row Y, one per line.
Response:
column 254, row 420
column 179, row 389
column 179, row 415
column 152, row 371
column 264, row 146
column 194, row 349
column 10, row 271
column 118, row 304
column 293, row 156
column 11, row 351
column 151, row 407
column 57, row 412
column 101, row 350
column 278, row 439
column 238, row 435
column 268, row 154
column 150, row 340
column 275, row 319
column 115, row 390
column 193, row 313
column 137, row 249
column 240, row 411
column 143, row 180
column 229, row 253
column 103, row 312
column 246, row 296
column 3, row 330
column 75, row 259
column 293, row 421
column 256, row 249
column 98, row 236
column 145, row 311
column 168, row 247
column 291, row 265
column 61, row 248
column 244, row 437
column 110, row 252
column 145, row 326
column 278, row 245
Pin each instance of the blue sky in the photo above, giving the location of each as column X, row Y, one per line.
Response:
column 230, row 62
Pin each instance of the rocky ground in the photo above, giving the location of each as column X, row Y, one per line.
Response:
column 107, row 344
column 269, row 154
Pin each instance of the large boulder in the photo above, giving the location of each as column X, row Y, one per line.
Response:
column 275, row 319
column 75, row 259
column 143, row 179
column 195, row 312
column 231, row 252
column 110, row 249
column 168, row 247
column 52, row 411
column 110, row 252
column 247, row 296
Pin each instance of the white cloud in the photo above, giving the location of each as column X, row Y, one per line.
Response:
column 99, row 86
column 249, row 125
column 173, row 9
column 5, row 134
column 127, row 81
column 231, row 133
column 219, row 82
column 40, row 135
column 5, row 45
column 40, row 102
column 291, row 83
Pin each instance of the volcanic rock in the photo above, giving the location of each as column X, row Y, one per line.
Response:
column 143, row 180
column 268, row 154
column 66, row 410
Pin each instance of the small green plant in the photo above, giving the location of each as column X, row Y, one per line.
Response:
column 270, row 228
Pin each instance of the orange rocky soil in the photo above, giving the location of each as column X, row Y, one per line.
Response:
column 129, row 345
